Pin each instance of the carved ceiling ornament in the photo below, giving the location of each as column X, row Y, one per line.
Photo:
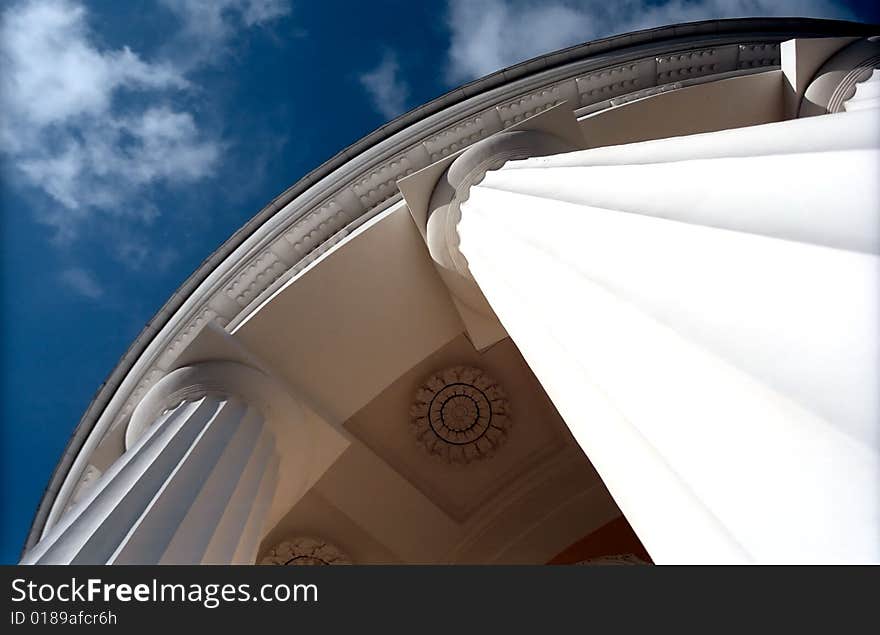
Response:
column 305, row 551
column 460, row 415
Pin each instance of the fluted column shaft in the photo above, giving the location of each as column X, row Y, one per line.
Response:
column 193, row 486
column 703, row 311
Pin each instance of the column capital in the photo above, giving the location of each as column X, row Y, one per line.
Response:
column 836, row 81
column 227, row 378
column 866, row 95
column 444, row 213
column 468, row 169
column 435, row 193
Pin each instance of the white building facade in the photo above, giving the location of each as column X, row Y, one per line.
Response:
column 615, row 304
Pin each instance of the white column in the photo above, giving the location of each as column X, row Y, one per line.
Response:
column 193, row 486
column 703, row 311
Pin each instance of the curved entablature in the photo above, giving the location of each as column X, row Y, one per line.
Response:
column 321, row 209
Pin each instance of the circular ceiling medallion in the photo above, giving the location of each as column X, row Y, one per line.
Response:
column 305, row 551
column 460, row 415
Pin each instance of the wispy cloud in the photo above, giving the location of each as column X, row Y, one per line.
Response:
column 95, row 130
column 386, row 87
column 63, row 129
column 208, row 26
column 139, row 253
column 81, row 282
column 487, row 35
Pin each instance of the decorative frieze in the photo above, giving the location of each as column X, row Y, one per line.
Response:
column 185, row 336
column 462, row 135
column 317, row 252
column 754, row 55
column 619, row 80
column 256, row 276
column 689, row 64
column 380, row 183
column 530, row 104
column 311, row 230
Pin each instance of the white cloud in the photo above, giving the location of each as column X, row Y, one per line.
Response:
column 96, row 129
column 53, row 73
column 81, row 282
column 64, row 132
column 140, row 253
column 263, row 11
column 101, row 165
column 487, row 35
column 386, row 88
column 217, row 17
column 207, row 26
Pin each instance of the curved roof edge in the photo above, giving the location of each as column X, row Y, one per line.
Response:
column 789, row 27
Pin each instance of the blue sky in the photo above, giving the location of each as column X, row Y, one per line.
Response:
column 136, row 136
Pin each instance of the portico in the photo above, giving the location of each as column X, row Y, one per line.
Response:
column 532, row 327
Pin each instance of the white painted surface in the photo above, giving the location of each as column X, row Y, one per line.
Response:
column 193, row 488
column 707, row 328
